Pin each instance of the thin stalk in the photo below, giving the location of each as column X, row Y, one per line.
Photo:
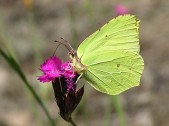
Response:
column 72, row 122
column 115, row 101
column 88, row 9
column 107, row 115
column 119, row 110
column 70, row 6
column 5, row 39
column 15, row 66
column 36, row 38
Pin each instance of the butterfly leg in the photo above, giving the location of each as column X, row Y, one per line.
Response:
column 79, row 77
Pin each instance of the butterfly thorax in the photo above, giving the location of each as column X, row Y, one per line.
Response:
column 76, row 63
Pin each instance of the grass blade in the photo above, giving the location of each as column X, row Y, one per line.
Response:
column 15, row 66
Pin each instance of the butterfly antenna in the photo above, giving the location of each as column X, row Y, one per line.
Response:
column 56, row 49
column 68, row 44
column 67, row 47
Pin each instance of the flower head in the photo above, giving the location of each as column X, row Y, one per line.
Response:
column 121, row 10
column 53, row 68
column 64, row 81
column 67, row 70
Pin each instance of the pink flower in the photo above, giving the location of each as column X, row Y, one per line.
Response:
column 53, row 68
column 67, row 70
column 121, row 10
column 64, row 81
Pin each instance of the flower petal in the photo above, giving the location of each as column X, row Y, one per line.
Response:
column 51, row 64
column 51, row 69
column 45, row 78
column 67, row 70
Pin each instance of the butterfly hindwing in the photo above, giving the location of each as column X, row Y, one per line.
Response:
column 113, row 74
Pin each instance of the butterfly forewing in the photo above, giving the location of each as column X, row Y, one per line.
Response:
column 120, row 33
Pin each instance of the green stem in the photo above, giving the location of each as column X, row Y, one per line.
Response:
column 88, row 9
column 72, row 122
column 36, row 37
column 5, row 39
column 119, row 110
column 70, row 6
column 12, row 62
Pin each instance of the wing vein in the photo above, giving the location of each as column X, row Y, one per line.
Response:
column 102, row 81
column 107, row 61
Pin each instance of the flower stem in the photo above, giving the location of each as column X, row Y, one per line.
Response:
column 72, row 16
column 72, row 122
column 119, row 110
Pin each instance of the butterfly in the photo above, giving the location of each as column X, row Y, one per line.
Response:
column 109, row 59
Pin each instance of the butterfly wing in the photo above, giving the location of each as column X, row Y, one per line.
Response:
column 113, row 71
column 120, row 33
column 111, row 56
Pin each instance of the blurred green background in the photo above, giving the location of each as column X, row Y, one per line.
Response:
column 28, row 29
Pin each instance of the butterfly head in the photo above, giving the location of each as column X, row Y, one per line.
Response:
column 76, row 63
